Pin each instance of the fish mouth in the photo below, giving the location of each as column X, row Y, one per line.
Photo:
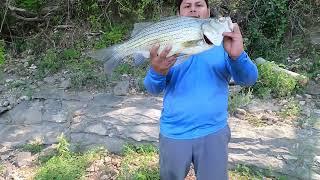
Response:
column 207, row 40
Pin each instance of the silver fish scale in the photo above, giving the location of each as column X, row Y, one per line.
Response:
column 170, row 25
column 175, row 30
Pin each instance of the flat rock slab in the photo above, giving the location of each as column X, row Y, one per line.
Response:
column 91, row 119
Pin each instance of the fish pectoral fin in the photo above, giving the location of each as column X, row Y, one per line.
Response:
column 189, row 44
column 181, row 58
column 140, row 57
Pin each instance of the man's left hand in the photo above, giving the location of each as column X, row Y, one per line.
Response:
column 233, row 42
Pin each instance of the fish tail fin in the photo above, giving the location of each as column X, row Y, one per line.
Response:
column 111, row 57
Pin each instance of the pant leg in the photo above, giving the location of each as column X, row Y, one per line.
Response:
column 175, row 158
column 210, row 155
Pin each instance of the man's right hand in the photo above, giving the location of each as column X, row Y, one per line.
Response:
column 160, row 63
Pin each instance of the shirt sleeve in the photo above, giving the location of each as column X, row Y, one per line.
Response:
column 243, row 70
column 154, row 82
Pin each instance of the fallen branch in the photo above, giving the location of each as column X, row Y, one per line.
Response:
column 4, row 17
column 21, row 11
column 303, row 80
column 64, row 27
column 34, row 19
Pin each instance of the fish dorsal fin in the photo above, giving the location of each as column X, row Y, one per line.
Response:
column 166, row 18
column 137, row 27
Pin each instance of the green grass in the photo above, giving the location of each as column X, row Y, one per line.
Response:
column 239, row 100
column 33, row 147
column 65, row 165
column 246, row 172
column 291, row 110
column 139, row 163
column 2, row 168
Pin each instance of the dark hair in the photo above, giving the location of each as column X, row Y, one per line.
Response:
column 178, row 4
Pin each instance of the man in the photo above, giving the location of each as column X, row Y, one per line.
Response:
column 193, row 123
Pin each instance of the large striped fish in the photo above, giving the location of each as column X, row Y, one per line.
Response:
column 186, row 35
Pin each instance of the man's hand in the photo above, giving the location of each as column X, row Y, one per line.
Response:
column 161, row 63
column 233, row 42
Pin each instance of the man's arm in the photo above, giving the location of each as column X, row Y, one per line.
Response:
column 155, row 80
column 242, row 69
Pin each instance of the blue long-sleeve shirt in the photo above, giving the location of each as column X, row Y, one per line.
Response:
column 196, row 92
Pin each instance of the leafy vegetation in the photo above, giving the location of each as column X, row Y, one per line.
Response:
column 34, row 147
column 66, row 164
column 291, row 109
column 2, row 168
column 33, row 5
column 276, row 83
column 242, row 171
column 2, row 53
column 239, row 100
column 139, row 162
column 59, row 36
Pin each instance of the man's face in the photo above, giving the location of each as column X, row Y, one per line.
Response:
column 194, row 8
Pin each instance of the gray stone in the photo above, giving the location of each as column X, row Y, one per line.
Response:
column 302, row 103
column 25, row 113
column 33, row 67
column 315, row 36
column 3, row 110
column 25, row 64
column 258, row 106
column 14, row 135
column 5, row 103
column 24, row 98
column 306, row 112
column 56, row 111
column 24, row 159
column 9, row 80
column 122, row 88
column 241, row 111
column 65, row 84
column 317, row 112
column 299, row 96
column 87, row 141
column 308, row 96
column 97, row 129
column 49, row 80
column 1, row 89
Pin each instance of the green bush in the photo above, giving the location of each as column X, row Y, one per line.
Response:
column 33, row 147
column 33, row 5
column 64, row 166
column 49, row 63
column 112, row 35
column 278, row 83
column 139, row 162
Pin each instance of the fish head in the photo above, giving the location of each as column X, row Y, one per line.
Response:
column 212, row 30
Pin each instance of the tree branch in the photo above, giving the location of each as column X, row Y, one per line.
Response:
column 34, row 19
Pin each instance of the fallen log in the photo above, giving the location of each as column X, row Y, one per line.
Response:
column 301, row 79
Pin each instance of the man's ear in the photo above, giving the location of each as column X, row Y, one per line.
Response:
column 209, row 14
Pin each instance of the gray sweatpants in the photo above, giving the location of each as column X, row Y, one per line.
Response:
column 209, row 155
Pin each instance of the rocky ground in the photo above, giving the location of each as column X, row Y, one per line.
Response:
column 265, row 133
